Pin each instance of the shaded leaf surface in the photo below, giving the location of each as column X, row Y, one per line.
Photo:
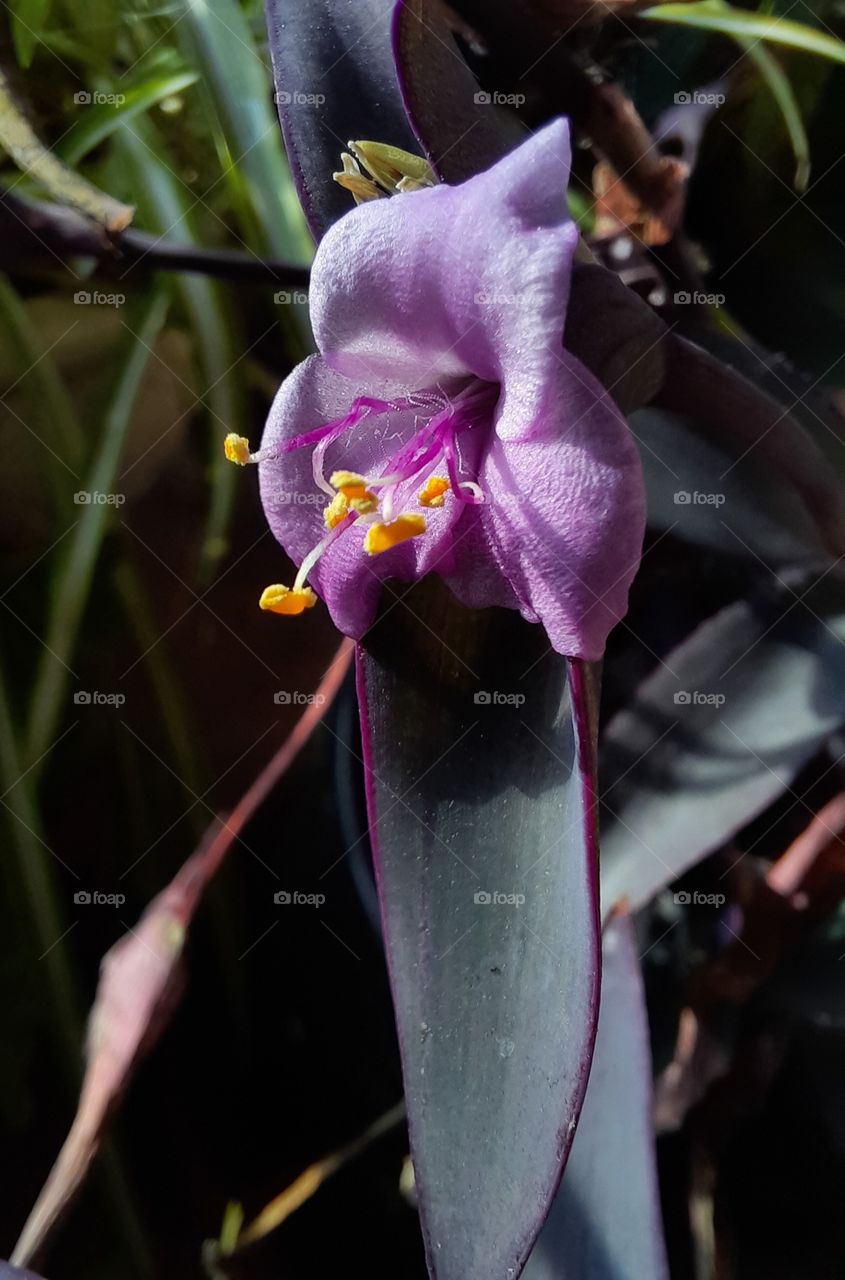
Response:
column 469, row 797
column 720, row 497
column 716, row 734
column 605, row 1223
column 459, row 128
column 744, row 419
column 338, row 51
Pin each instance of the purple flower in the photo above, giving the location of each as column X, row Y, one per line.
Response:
column 443, row 427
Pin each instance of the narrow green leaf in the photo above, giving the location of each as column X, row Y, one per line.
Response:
column 50, row 404
column 185, row 744
column 781, row 90
column 103, row 118
column 70, row 595
column 35, row 868
column 165, row 207
column 714, row 15
column 237, row 85
column 485, row 871
column 32, row 859
column 28, row 19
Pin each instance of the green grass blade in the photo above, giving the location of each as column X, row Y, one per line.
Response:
column 185, row 744
column 237, row 84
column 27, row 19
column 35, row 873
column 721, row 19
column 49, row 404
column 777, row 81
column 165, row 206
column 102, row 119
column 33, row 861
column 71, row 591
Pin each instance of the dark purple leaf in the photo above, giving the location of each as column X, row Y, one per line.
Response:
column 605, row 1223
column 716, row 734
column 460, row 130
column 722, row 497
column 740, row 416
column 810, row 400
column 479, row 775
column 735, row 418
column 335, row 80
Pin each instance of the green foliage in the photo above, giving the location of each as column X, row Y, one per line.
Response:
column 28, row 18
column 723, row 19
column 170, row 112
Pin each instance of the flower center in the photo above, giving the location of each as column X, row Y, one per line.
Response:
column 441, row 419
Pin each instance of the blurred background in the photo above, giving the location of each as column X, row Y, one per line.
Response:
column 122, row 383
column 139, row 681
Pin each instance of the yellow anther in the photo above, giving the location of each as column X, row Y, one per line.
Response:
column 337, row 510
column 412, row 184
column 360, row 188
column 390, row 165
column 353, row 180
column 433, row 491
column 352, row 486
column 237, row 449
column 364, row 506
column 288, row 601
column 381, row 537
